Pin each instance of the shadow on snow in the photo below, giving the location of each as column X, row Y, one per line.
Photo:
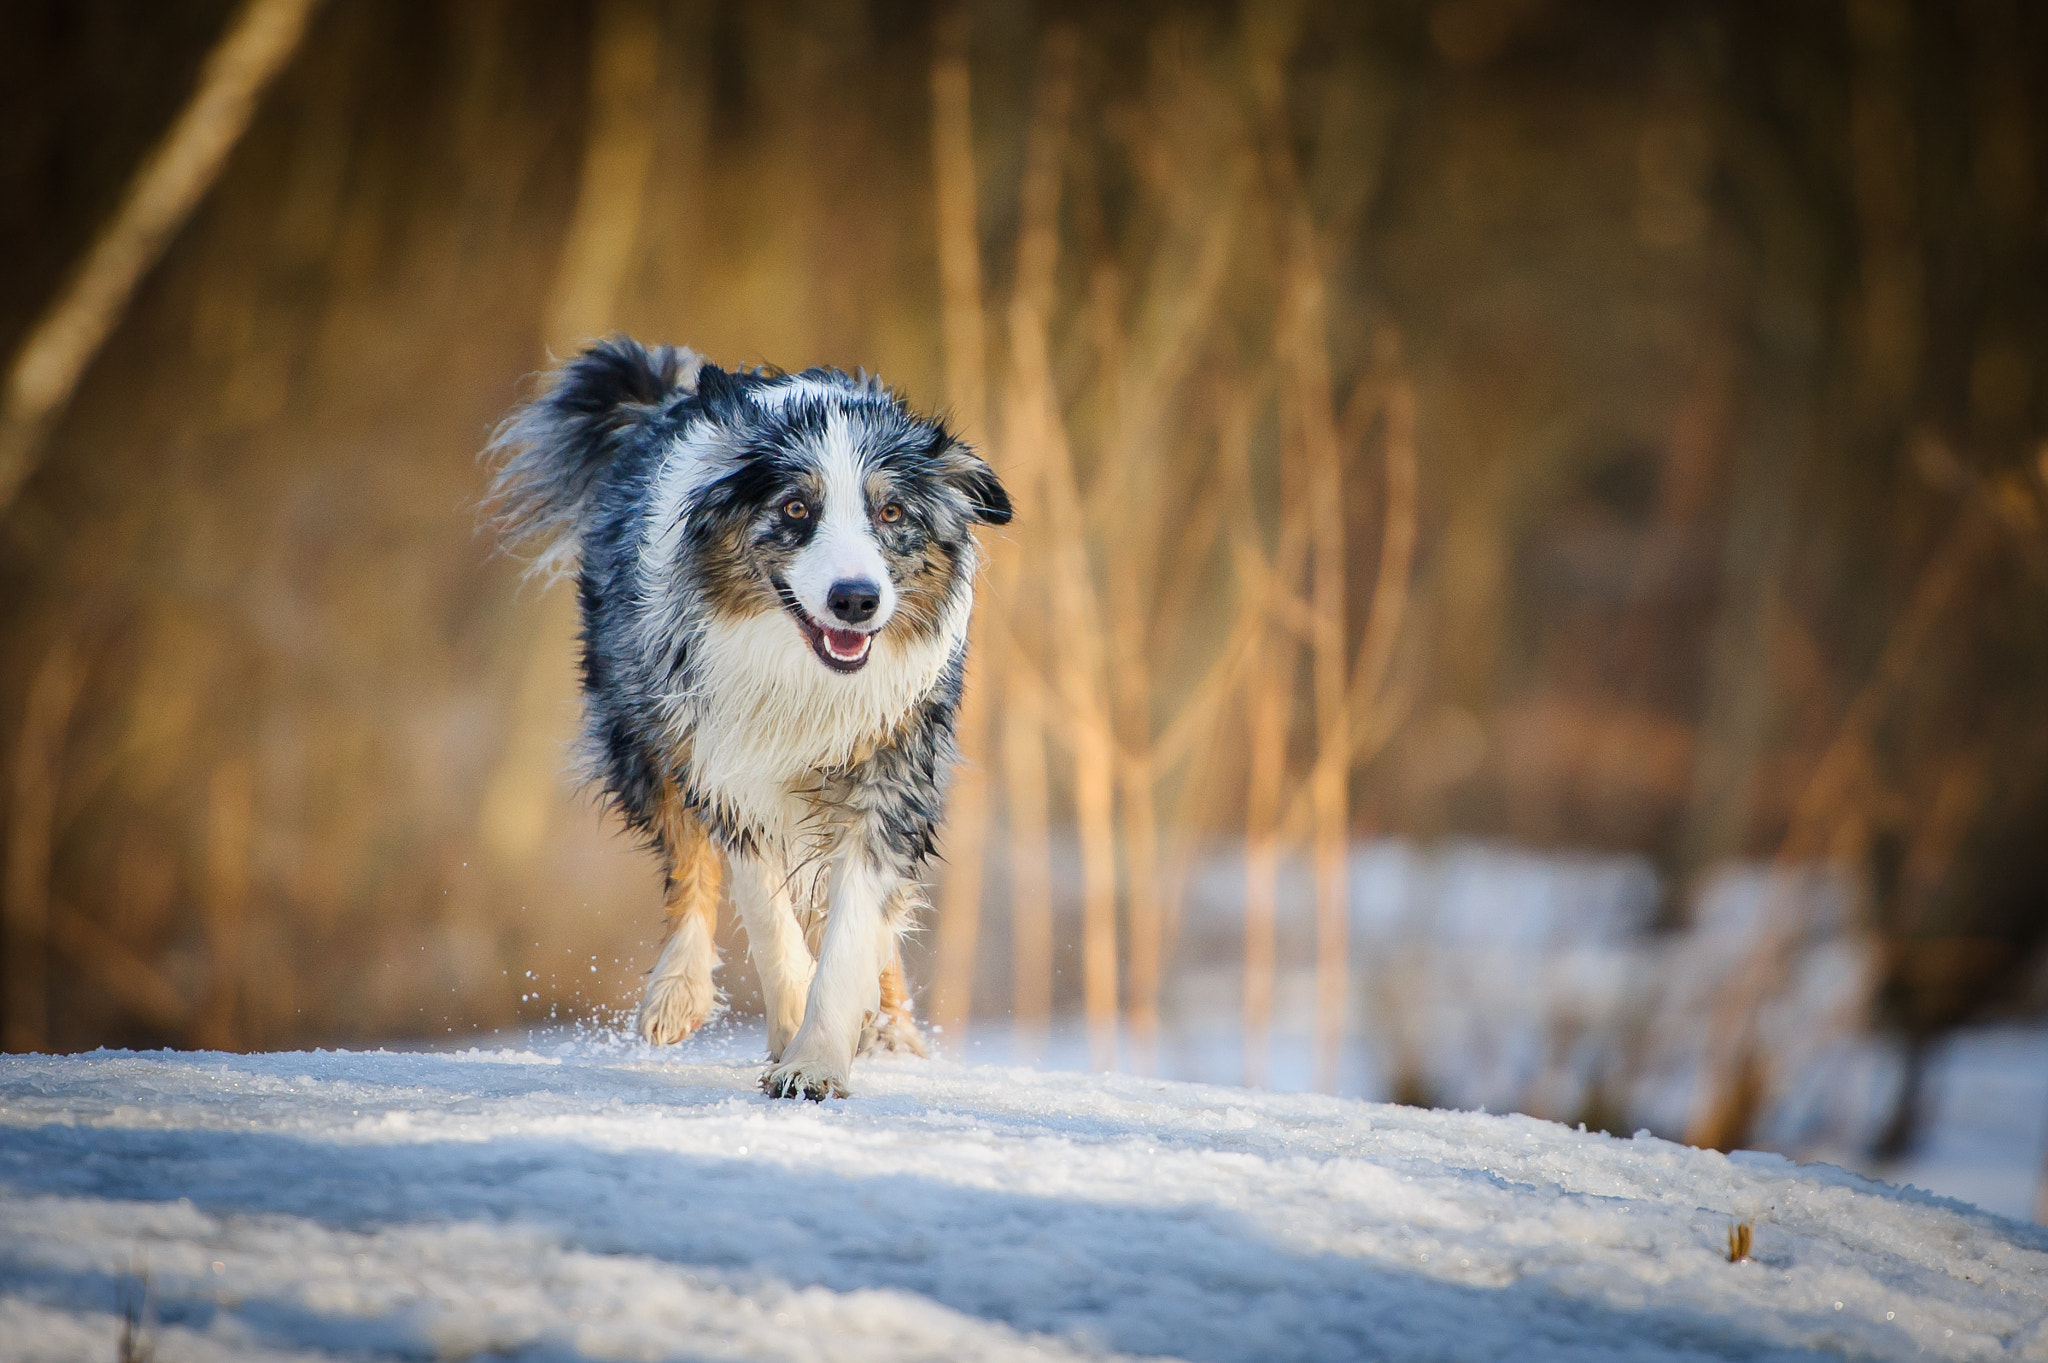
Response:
column 1196, row 1282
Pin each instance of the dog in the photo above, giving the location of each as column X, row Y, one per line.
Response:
column 775, row 573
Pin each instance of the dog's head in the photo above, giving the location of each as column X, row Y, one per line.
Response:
column 826, row 498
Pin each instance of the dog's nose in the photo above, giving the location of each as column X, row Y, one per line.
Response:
column 854, row 602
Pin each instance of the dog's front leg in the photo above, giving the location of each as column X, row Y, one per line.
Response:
column 775, row 944
column 847, row 986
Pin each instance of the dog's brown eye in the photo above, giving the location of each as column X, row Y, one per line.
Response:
column 892, row 512
column 796, row 508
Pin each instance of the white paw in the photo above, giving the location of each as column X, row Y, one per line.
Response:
column 675, row 1006
column 888, row 1033
column 814, row 1080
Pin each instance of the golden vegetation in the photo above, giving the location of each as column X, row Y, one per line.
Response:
column 1740, row 1238
column 1536, row 421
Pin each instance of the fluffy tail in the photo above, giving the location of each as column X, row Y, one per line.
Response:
column 547, row 454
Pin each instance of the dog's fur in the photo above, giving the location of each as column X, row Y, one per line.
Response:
column 728, row 531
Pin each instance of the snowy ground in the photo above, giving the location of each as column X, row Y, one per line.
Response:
column 1986, row 1127
column 1983, row 1141
column 598, row 1200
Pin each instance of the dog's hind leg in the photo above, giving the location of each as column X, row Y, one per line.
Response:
column 892, row 1028
column 681, row 994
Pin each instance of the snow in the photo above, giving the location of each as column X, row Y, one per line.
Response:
column 1548, row 981
column 1509, row 978
column 1986, row 1127
column 595, row 1199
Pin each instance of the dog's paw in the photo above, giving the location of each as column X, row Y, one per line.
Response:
column 797, row 1079
column 674, row 1008
column 892, row 1033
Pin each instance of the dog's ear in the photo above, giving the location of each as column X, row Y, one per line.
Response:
column 718, row 393
column 970, row 474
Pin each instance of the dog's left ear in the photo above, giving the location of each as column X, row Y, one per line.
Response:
column 977, row 482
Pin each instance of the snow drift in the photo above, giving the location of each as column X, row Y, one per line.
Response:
column 600, row 1200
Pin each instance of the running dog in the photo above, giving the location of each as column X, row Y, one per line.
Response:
column 775, row 573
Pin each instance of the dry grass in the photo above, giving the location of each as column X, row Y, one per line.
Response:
column 1739, row 1240
column 137, row 1308
column 1408, row 436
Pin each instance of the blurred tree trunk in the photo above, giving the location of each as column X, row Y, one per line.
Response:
column 961, row 329
column 165, row 189
column 31, row 836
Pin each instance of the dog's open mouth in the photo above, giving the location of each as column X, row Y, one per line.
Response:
column 845, row 650
column 842, row 650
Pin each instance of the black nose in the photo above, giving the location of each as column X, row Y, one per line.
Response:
column 854, row 602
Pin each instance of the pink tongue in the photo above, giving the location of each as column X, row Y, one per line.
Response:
column 845, row 643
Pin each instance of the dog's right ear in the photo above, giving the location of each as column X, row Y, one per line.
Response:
column 719, row 393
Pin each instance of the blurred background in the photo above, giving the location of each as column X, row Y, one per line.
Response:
column 1530, row 588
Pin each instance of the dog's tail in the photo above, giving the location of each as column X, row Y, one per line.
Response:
column 547, row 454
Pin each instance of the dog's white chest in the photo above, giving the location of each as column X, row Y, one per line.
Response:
column 768, row 724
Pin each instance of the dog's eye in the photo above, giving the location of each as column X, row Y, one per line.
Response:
column 796, row 508
column 892, row 512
